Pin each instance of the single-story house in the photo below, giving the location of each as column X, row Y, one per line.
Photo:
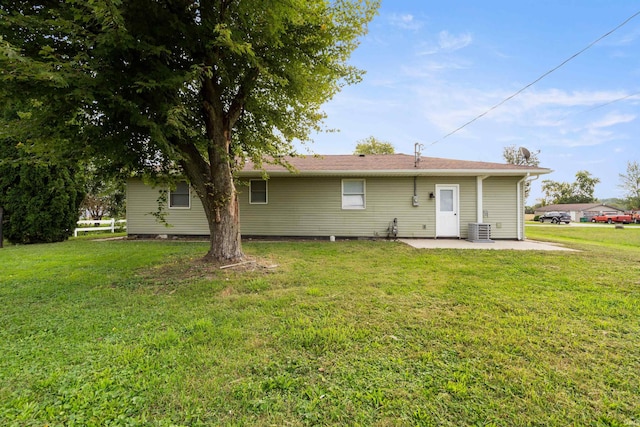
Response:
column 580, row 210
column 352, row 196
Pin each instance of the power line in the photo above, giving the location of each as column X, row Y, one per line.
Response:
column 537, row 80
column 611, row 102
column 598, row 106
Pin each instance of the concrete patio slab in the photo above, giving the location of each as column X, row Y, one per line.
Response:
column 518, row 245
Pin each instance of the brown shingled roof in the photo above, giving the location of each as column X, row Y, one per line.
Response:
column 391, row 164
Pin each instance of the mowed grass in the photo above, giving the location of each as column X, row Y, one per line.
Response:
column 127, row 333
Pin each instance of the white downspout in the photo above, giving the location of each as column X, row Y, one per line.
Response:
column 479, row 197
column 520, row 207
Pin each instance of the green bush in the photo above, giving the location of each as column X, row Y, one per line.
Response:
column 40, row 200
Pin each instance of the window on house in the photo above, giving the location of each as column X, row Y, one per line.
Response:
column 353, row 194
column 258, row 191
column 180, row 197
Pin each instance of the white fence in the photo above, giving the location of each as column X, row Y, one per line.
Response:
column 109, row 225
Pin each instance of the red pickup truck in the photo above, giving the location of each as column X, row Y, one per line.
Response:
column 625, row 219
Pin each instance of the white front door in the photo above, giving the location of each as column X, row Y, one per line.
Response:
column 447, row 219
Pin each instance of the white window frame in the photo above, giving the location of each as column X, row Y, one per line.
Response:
column 364, row 195
column 266, row 192
column 189, row 196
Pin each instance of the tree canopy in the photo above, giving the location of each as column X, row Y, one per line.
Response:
column 198, row 86
column 372, row 145
column 630, row 183
column 105, row 194
column 580, row 191
column 516, row 156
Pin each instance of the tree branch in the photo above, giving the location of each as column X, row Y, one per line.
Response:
column 237, row 105
column 195, row 166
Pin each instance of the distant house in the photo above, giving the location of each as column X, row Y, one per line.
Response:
column 580, row 210
column 354, row 196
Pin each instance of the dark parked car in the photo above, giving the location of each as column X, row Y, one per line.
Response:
column 555, row 217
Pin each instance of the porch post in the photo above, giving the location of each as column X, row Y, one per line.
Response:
column 520, row 207
column 479, row 197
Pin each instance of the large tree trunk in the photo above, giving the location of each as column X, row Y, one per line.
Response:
column 223, row 217
column 212, row 176
column 215, row 188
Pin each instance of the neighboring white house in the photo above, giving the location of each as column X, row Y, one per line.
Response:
column 353, row 196
column 580, row 210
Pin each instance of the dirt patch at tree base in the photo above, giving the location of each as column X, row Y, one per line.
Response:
column 203, row 269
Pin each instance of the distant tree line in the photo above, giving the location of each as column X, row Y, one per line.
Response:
column 630, row 184
column 579, row 191
column 583, row 188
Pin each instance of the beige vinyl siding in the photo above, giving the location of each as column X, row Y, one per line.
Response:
column 500, row 203
column 467, row 201
column 312, row 206
column 142, row 202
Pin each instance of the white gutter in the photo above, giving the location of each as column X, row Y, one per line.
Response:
column 395, row 172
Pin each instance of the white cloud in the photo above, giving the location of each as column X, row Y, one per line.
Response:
column 588, row 138
column 405, row 21
column 427, row 49
column 446, row 42
column 428, row 69
column 382, row 82
column 557, row 108
column 613, row 119
column 562, row 98
column 449, row 42
column 551, row 118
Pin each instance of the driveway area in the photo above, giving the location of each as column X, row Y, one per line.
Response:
column 524, row 245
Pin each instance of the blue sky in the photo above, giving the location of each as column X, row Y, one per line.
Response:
column 434, row 65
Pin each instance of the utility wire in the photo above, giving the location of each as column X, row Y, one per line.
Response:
column 537, row 80
column 611, row 102
column 599, row 106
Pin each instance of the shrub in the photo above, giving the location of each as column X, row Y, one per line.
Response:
column 40, row 200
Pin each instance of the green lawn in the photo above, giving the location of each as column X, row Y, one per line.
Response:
column 127, row 333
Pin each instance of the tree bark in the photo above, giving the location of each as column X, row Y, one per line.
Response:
column 223, row 215
column 212, row 179
column 224, row 229
column 219, row 198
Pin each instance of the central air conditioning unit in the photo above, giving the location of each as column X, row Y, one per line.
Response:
column 479, row 233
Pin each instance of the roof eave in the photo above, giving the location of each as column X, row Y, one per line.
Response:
column 400, row 172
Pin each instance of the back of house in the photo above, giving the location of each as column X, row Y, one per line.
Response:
column 351, row 196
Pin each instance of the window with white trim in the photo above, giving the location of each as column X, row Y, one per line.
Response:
column 353, row 194
column 180, row 196
column 258, row 192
